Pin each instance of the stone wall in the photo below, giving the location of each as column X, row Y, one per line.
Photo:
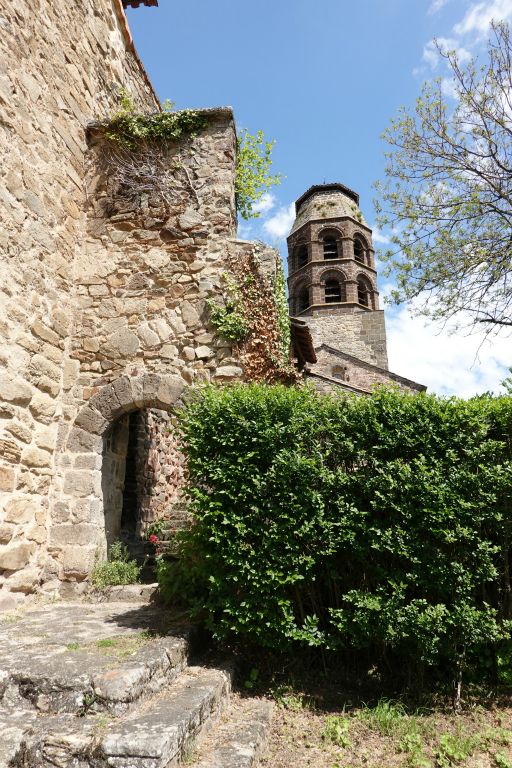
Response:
column 334, row 367
column 361, row 334
column 61, row 63
column 103, row 296
column 160, row 472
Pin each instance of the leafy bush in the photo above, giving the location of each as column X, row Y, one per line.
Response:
column 119, row 569
column 379, row 523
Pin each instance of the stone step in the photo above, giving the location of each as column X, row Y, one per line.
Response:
column 14, row 725
column 160, row 735
column 240, row 741
column 157, row 735
column 81, row 682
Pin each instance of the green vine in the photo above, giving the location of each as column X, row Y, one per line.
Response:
column 229, row 319
column 130, row 128
column 283, row 315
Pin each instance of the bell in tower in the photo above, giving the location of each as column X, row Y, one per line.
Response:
column 332, row 287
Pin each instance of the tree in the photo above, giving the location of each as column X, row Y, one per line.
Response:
column 253, row 177
column 448, row 192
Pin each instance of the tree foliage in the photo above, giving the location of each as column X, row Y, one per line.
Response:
column 380, row 524
column 253, row 177
column 448, row 191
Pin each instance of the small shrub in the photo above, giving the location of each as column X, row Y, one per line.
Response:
column 502, row 761
column 119, row 569
column 455, row 748
column 288, row 698
column 336, row 731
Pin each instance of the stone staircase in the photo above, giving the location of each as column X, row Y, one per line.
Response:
column 110, row 685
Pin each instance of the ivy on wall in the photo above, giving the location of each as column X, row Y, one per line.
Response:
column 255, row 317
column 230, row 319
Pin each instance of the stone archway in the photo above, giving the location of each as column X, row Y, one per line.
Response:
column 77, row 534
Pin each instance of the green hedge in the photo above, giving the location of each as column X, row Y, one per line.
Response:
column 378, row 523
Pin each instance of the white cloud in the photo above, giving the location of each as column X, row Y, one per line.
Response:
column 380, row 237
column 457, row 364
column 431, row 54
column 279, row 225
column 479, row 16
column 266, row 203
column 436, row 6
column 449, row 87
column 245, row 230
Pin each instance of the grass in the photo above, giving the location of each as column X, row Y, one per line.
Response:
column 318, row 732
column 119, row 646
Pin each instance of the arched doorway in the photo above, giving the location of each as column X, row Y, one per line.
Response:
column 85, row 507
column 142, row 476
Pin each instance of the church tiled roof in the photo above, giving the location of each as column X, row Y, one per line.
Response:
column 136, row 3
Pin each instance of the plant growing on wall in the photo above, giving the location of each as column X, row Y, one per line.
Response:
column 253, row 177
column 143, row 154
column 254, row 316
column 130, row 129
column 138, row 157
column 229, row 319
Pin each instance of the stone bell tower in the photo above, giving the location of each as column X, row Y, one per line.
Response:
column 332, row 277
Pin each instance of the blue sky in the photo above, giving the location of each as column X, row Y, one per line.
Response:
column 323, row 78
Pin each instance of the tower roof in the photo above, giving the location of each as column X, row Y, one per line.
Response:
column 136, row 3
column 327, row 201
column 335, row 187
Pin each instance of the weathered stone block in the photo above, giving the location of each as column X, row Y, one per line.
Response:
column 81, row 441
column 78, row 561
column 20, row 510
column 10, row 451
column 169, row 390
column 91, row 420
column 203, row 353
column 122, row 343
column 228, row 372
column 15, row 556
column 190, row 218
column 42, row 407
column 6, row 533
column 123, row 391
column 82, row 483
column 35, row 457
column 43, row 332
column 190, row 315
column 80, row 534
column 14, row 390
column 148, row 337
column 26, row 580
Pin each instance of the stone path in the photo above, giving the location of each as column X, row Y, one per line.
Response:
column 95, row 685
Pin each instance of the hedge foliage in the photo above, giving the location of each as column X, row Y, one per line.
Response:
column 380, row 523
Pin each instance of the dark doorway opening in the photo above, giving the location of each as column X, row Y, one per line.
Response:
column 142, row 478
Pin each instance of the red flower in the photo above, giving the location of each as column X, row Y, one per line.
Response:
column 154, row 539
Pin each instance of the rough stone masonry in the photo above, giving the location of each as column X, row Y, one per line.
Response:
column 102, row 300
